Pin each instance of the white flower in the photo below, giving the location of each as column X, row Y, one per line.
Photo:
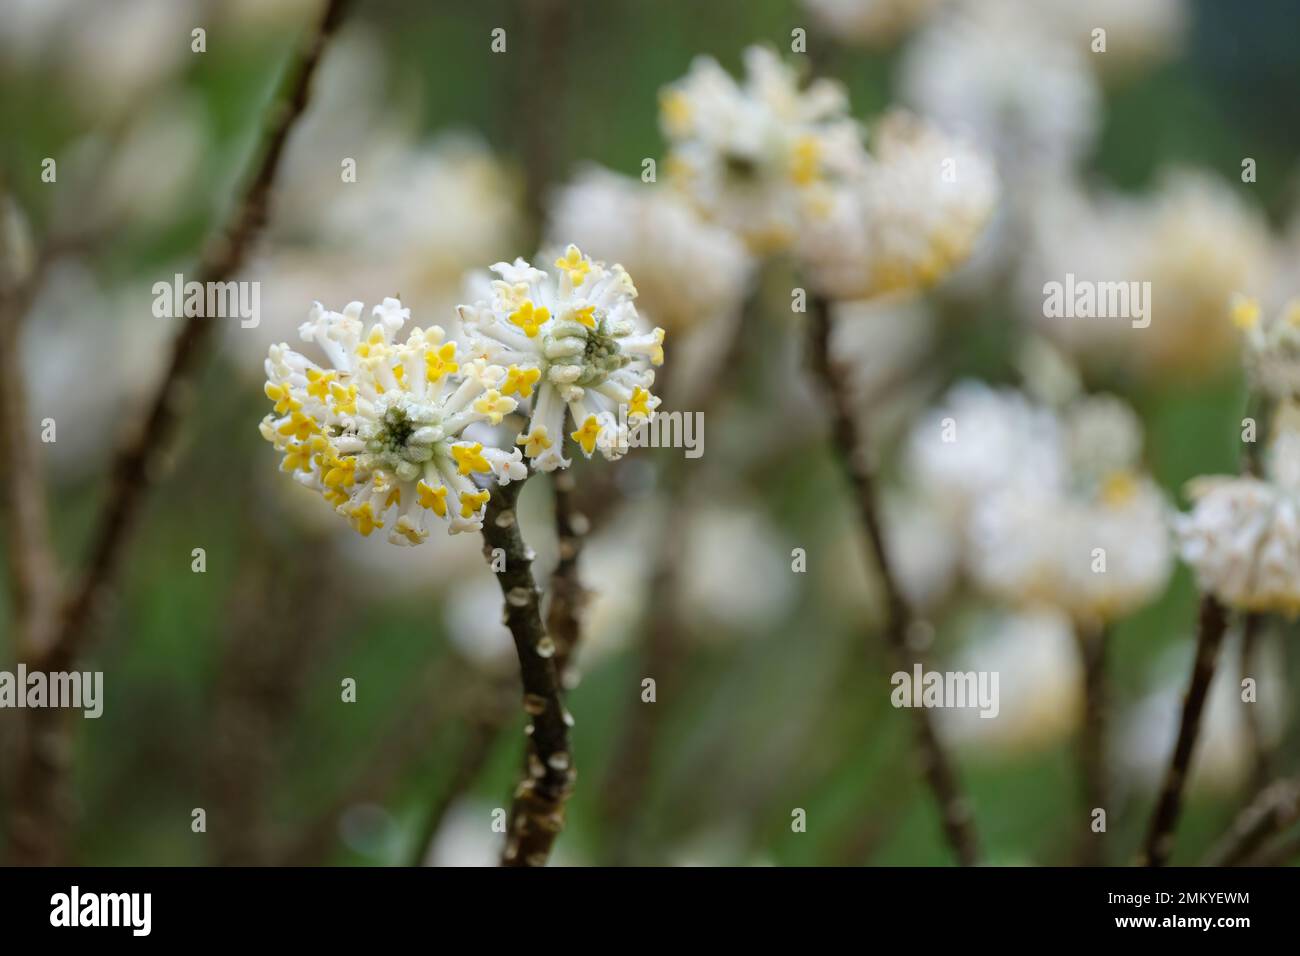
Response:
column 758, row 157
column 1271, row 346
column 982, row 439
column 688, row 271
column 1193, row 240
column 569, row 339
column 911, row 217
column 869, row 22
column 1242, row 536
column 1036, row 658
column 1053, row 506
column 997, row 73
column 379, row 434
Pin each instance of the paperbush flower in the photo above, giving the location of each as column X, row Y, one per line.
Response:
column 909, row 218
column 758, row 156
column 1052, row 504
column 569, row 339
column 379, row 431
column 1242, row 536
column 1271, row 346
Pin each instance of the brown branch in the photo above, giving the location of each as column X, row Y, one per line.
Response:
column 1093, row 644
column 38, row 817
column 1274, row 810
column 954, row 807
column 537, row 813
column 1159, row 842
column 33, row 567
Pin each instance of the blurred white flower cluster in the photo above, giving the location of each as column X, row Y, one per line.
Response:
column 1242, row 536
column 1050, row 505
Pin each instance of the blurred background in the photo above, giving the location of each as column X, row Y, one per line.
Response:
column 223, row 688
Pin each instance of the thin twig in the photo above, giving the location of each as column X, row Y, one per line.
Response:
column 1274, row 810
column 1092, row 746
column 1159, row 842
column 38, row 817
column 954, row 807
column 33, row 568
column 537, row 813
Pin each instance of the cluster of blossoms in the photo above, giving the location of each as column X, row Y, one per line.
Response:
column 1242, row 536
column 1271, row 346
column 775, row 163
column 760, row 157
column 912, row 215
column 383, row 433
column 1193, row 239
column 1050, row 504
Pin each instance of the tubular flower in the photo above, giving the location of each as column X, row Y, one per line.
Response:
column 758, row 157
column 379, row 433
column 568, row 338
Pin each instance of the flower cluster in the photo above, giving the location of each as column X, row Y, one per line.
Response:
column 1242, row 536
column 1271, row 346
column 385, row 432
column 911, row 216
column 758, row 157
column 570, row 339
column 1050, row 504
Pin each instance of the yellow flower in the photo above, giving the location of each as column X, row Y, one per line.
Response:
column 574, row 264
column 521, row 381
column 1245, row 312
column 363, row 519
column 535, row 442
column 345, row 399
column 640, row 403
column 805, row 162
column 319, row 383
column 284, row 401
column 470, row 458
column 441, row 363
column 585, row 316
column 494, row 405
column 435, row 499
column 586, row 435
column 529, row 318
column 299, row 426
column 342, row 472
column 470, row 503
